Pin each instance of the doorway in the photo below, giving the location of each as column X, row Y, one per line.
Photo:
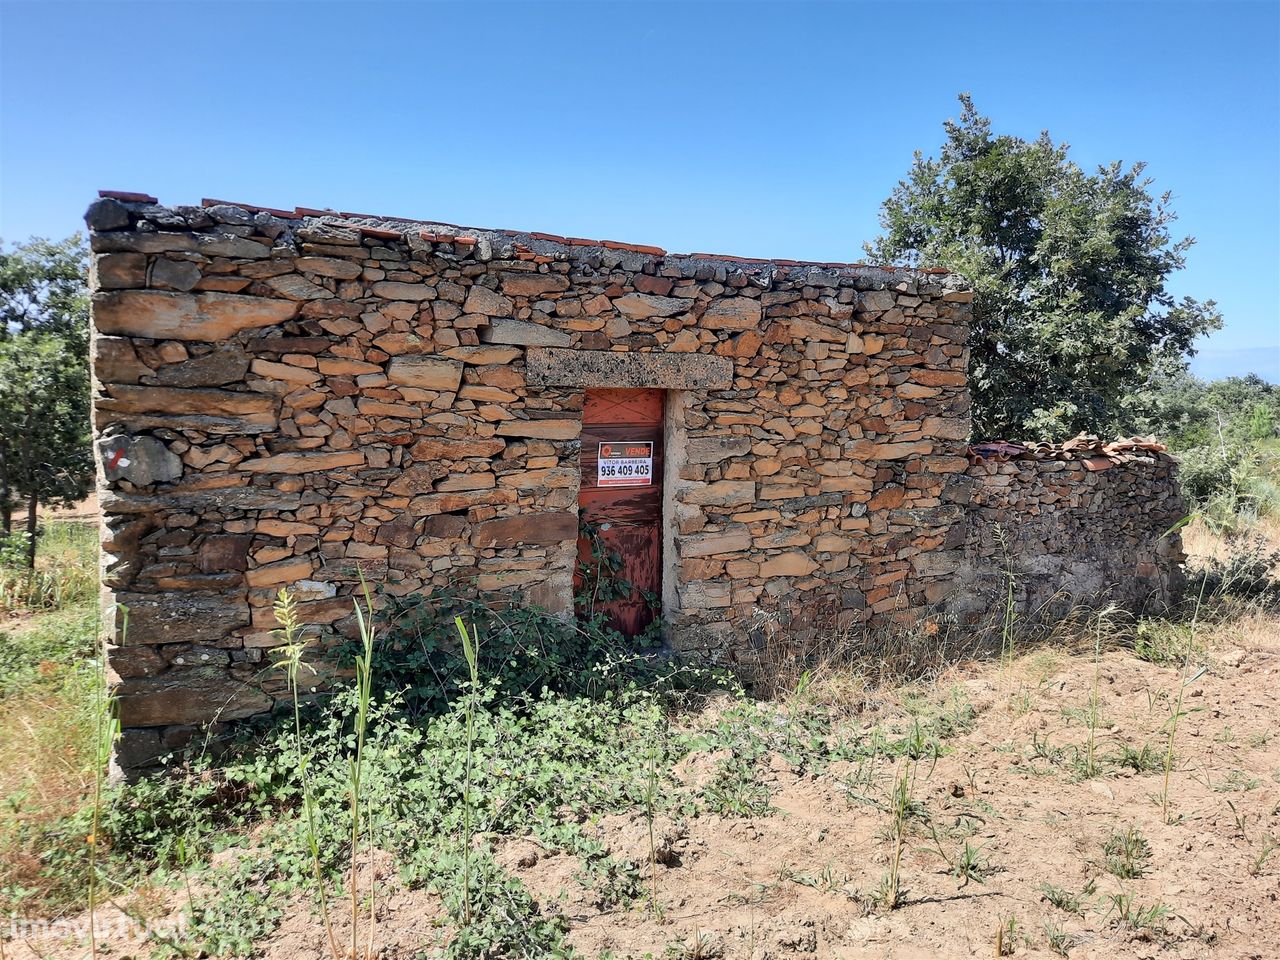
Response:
column 619, row 572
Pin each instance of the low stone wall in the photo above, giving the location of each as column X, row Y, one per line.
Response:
column 298, row 398
column 1080, row 532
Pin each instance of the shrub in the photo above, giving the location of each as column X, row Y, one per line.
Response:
column 523, row 651
column 1232, row 483
column 66, row 570
column 1247, row 573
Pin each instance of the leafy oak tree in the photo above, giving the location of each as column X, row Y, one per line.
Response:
column 45, row 452
column 1069, row 272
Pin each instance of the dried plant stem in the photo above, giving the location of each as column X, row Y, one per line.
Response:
column 650, row 794
column 469, row 651
column 1008, row 637
column 105, row 732
column 364, row 686
column 1093, row 716
column 291, row 651
column 184, row 860
column 1175, row 713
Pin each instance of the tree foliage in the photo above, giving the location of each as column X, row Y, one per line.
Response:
column 1068, row 268
column 45, row 452
column 1224, row 434
column 1188, row 412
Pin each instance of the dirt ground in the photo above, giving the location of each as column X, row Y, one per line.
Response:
column 798, row 881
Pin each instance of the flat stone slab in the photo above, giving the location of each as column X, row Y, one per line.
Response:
column 212, row 317
column 188, row 696
column 551, row 367
column 156, row 618
column 523, row 333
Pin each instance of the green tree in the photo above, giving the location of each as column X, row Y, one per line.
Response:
column 45, row 451
column 1187, row 412
column 1068, row 268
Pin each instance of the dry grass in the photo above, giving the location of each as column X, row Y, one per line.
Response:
column 1202, row 542
column 46, row 773
column 48, row 680
column 47, row 750
column 1255, row 628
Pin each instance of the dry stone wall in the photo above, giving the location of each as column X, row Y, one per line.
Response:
column 1076, row 531
column 302, row 398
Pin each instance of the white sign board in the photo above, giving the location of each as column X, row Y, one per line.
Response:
column 625, row 463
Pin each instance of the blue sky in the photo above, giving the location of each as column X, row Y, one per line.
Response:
column 761, row 129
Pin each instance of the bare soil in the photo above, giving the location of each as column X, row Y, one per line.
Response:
column 798, row 882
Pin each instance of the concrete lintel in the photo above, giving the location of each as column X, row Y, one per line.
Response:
column 552, row 367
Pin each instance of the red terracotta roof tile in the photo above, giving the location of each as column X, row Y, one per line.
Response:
column 634, row 247
column 127, row 197
column 1087, row 448
column 378, row 234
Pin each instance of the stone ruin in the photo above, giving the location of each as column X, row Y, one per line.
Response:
column 302, row 398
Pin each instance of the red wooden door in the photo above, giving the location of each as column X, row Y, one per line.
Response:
column 620, row 505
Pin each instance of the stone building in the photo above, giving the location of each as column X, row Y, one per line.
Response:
column 301, row 398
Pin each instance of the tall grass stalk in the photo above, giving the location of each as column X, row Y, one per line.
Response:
column 651, row 791
column 184, row 861
column 106, row 729
column 1007, row 634
column 364, row 686
column 290, row 652
column 1175, row 711
column 1094, row 714
column 473, row 665
column 900, row 804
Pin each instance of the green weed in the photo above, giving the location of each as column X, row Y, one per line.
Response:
column 66, row 571
column 1164, row 642
column 1068, row 900
column 1007, row 936
column 1127, row 853
column 1144, row 759
column 1059, row 941
column 1128, row 913
column 902, row 809
column 291, row 651
column 735, row 791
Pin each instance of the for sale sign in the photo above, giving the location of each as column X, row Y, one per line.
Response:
column 625, row 463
